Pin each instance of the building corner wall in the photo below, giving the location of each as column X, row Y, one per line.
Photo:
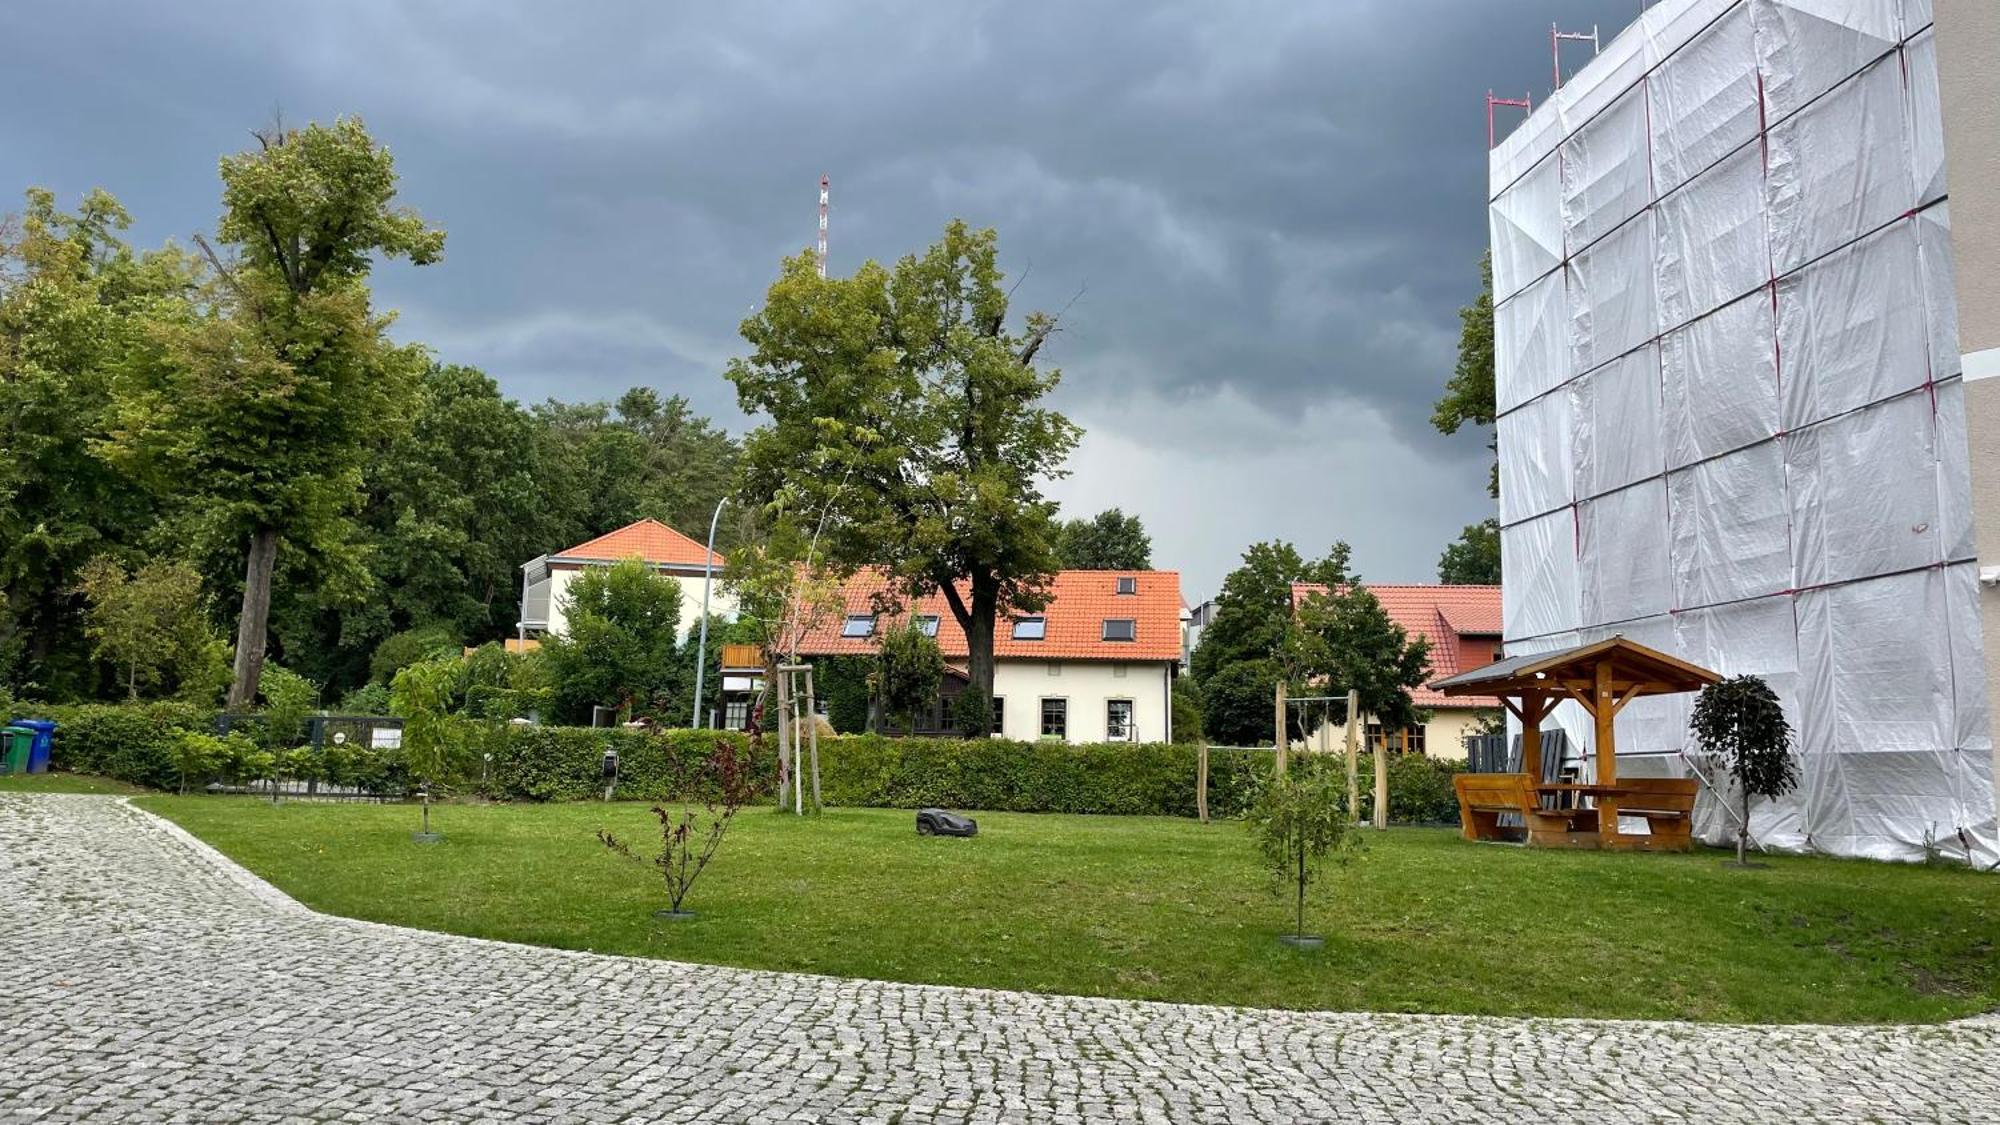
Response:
column 1968, row 43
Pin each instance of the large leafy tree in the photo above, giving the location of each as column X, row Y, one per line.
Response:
column 1473, row 559
column 1110, row 540
column 901, row 402
column 267, row 410
column 1343, row 640
column 605, row 464
column 622, row 646
column 1468, row 398
column 77, row 312
column 1254, row 609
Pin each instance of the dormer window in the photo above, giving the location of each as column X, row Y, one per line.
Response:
column 927, row 624
column 1121, row 629
column 1128, row 586
column 1030, row 628
column 858, row 625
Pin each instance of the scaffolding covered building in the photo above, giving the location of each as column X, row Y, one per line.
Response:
column 1730, row 410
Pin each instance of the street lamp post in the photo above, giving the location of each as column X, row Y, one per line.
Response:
column 707, row 580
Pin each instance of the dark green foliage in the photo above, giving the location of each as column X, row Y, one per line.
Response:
column 1740, row 724
column 622, row 648
column 1468, row 398
column 400, row 650
column 1110, row 540
column 1254, row 608
column 1187, row 710
column 1474, row 558
column 842, row 681
column 908, row 670
column 972, row 713
column 1154, row 779
column 1420, row 788
column 563, row 763
column 135, row 743
column 1238, row 703
column 1344, row 638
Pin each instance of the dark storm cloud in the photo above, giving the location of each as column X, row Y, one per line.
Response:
column 1272, row 210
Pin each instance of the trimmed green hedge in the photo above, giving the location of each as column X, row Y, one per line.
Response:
column 131, row 742
column 543, row 763
column 136, row 743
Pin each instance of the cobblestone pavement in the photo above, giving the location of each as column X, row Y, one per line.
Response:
column 145, row 978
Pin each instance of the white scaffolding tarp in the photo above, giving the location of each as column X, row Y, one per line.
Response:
column 1731, row 422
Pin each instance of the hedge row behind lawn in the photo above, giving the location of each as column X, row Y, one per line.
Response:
column 135, row 743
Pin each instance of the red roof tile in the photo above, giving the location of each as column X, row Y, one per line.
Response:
column 1441, row 615
column 1080, row 602
column 648, row 539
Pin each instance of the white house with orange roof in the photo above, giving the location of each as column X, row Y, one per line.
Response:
column 1462, row 625
column 545, row 579
column 1097, row 664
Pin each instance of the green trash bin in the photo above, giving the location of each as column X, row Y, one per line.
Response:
column 15, row 743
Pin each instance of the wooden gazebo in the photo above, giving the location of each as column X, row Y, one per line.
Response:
column 1602, row 677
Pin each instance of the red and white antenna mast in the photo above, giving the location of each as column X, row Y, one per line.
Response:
column 822, row 225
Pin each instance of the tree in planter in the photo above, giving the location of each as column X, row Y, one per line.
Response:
column 689, row 839
column 908, row 670
column 434, row 738
column 1300, row 819
column 1740, row 723
column 901, row 403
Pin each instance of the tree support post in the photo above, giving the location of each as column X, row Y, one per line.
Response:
column 1280, row 740
column 1353, row 755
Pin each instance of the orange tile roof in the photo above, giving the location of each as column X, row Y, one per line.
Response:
column 648, row 539
column 1441, row 615
column 1079, row 603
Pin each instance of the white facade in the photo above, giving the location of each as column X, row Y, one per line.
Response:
column 1731, row 414
column 1087, row 688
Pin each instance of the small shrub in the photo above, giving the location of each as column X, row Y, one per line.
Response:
column 688, row 840
column 1300, row 819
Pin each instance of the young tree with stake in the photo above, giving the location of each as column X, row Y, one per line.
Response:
column 1300, row 820
column 1740, row 723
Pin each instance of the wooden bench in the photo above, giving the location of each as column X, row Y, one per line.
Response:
column 1667, row 803
column 1483, row 797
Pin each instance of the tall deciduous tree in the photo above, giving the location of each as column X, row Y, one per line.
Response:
column 1343, row 640
column 1473, row 559
column 77, row 310
column 901, row 402
column 1110, row 540
column 269, row 407
column 1468, row 398
column 1254, row 608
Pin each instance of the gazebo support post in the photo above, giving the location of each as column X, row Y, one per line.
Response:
column 1605, row 710
column 1532, row 713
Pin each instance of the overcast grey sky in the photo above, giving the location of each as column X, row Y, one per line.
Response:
column 1274, row 209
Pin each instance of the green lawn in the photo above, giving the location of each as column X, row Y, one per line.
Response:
column 63, row 783
column 1168, row 909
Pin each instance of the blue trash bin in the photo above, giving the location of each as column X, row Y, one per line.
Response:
column 45, row 737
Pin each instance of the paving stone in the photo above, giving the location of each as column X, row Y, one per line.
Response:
column 144, row 977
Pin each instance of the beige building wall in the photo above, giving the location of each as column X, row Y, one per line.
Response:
column 1087, row 685
column 720, row 602
column 1968, row 47
column 1444, row 734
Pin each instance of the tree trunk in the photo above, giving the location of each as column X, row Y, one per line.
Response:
column 1743, row 833
column 256, row 614
column 132, row 682
column 983, row 613
column 1302, row 889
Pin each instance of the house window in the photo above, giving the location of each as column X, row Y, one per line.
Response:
column 1128, row 586
column 927, row 624
column 1030, row 628
column 858, row 625
column 1055, row 718
column 736, row 714
column 1118, row 726
column 1120, row 629
column 1396, row 740
column 999, row 715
